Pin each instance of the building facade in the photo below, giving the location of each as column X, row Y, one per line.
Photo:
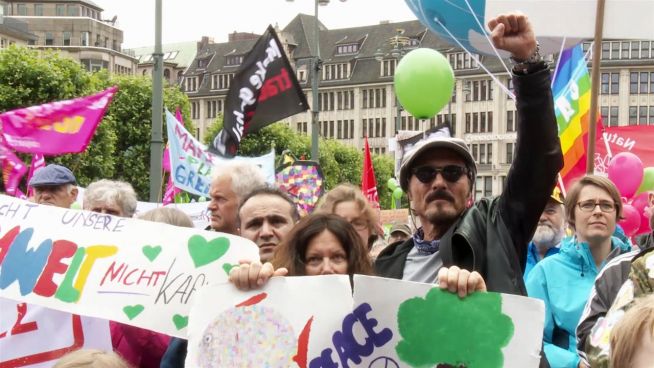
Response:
column 357, row 98
column 75, row 29
column 176, row 59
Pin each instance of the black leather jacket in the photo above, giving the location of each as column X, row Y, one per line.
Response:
column 492, row 236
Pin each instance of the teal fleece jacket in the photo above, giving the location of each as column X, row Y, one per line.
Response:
column 563, row 281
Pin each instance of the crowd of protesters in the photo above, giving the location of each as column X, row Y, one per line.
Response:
column 530, row 240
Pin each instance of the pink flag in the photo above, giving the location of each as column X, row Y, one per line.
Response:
column 13, row 170
column 171, row 191
column 55, row 128
column 38, row 161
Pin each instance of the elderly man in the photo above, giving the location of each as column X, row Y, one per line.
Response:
column 230, row 184
column 54, row 185
column 604, row 293
column 266, row 215
column 110, row 197
column 550, row 231
column 489, row 236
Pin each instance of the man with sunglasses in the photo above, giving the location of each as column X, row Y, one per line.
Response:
column 488, row 237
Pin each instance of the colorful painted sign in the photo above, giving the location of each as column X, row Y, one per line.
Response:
column 272, row 327
column 36, row 337
column 131, row 271
column 192, row 164
column 313, row 322
column 55, row 128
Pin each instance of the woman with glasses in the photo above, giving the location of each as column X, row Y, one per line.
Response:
column 563, row 281
column 347, row 201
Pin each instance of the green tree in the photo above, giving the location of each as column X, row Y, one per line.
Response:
column 130, row 113
column 29, row 77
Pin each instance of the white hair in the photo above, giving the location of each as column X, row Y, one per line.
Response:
column 245, row 177
column 111, row 191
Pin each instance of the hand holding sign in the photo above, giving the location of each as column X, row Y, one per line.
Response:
column 462, row 282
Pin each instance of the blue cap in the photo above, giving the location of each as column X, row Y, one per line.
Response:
column 52, row 175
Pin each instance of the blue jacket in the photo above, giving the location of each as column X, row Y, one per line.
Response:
column 533, row 257
column 563, row 281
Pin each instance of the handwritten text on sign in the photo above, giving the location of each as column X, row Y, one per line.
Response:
column 127, row 270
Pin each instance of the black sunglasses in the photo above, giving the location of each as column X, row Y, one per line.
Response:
column 451, row 173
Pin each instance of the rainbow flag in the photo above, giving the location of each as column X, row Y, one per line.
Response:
column 571, row 91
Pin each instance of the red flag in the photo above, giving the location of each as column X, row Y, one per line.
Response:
column 368, row 181
column 13, row 170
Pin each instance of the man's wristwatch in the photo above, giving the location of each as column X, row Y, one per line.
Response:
column 532, row 64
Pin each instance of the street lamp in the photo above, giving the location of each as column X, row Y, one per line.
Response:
column 398, row 42
column 316, row 66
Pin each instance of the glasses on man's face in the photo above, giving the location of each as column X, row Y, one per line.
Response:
column 451, row 173
column 589, row 205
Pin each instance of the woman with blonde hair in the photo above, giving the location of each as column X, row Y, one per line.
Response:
column 348, row 202
column 91, row 358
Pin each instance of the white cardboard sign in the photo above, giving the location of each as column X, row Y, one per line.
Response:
column 127, row 270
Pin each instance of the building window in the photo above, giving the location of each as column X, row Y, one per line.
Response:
column 642, row 116
column 212, row 108
column 38, row 10
column 94, row 65
column 72, row 10
column 475, row 122
column 644, row 76
column 21, row 9
column 60, row 10
column 633, row 115
column 233, row 60
column 352, row 48
column 67, row 36
column 373, row 98
column 49, row 39
column 221, row 81
column 510, row 147
column 336, row 71
column 85, row 38
column 468, row 123
column 195, row 110
column 388, row 67
column 191, row 84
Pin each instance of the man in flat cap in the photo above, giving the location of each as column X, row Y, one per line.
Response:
column 54, row 185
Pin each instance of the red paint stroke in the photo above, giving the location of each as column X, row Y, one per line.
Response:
column 303, row 345
column 253, row 300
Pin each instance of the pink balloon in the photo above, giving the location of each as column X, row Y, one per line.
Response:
column 626, row 172
column 640, row 202
column 631, row 220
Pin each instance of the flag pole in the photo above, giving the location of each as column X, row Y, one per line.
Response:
column 597, row 49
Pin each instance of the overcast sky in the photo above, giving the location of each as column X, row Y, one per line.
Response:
column 189, row 20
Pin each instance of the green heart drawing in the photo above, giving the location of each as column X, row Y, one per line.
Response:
column 203, row 252
column 180, row 321
column 228, row 267
column 151, row 252
column 132, row 311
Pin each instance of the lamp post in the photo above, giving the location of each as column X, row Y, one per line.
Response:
column 316, row 66
column 398, row 43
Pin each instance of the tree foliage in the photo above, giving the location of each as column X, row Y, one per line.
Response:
column 120, row 148
column 340, row 163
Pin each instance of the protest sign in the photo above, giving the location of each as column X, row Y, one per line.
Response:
column 192, row 164
column 127, row 270
column 35, row 337
column 387, row 323
column 280, row 325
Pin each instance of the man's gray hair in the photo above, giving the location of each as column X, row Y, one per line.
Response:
column 245, row 177
column 111, row 191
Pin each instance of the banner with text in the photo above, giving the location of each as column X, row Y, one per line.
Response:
column 192, row 164
column 637, row 139
column 314, row 322
column 127, row 270
column 55, row 128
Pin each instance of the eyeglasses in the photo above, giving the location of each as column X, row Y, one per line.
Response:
column 589, row 205
column 451, row 173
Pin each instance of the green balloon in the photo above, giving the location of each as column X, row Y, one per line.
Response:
column 424, row 82
column 648, row 181
column 392, row 184
column 397, row 193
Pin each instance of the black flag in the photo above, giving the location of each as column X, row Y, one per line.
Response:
column 263, row 91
